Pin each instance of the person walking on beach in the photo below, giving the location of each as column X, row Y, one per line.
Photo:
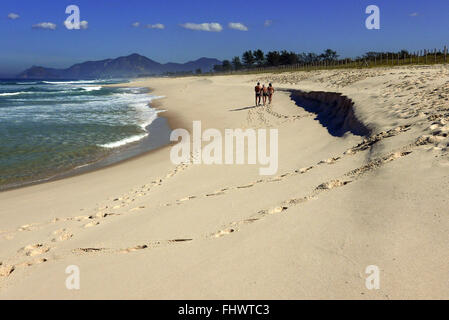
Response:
column 258, row 90
column 265, row 94
column 270, row 93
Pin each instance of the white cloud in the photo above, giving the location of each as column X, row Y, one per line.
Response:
column 13, row 16
column 83, row 25
column 211, row 27
column 268, row 23
column 414, row 14
column 136, row 24
column 45, row 25
column 238, row 26
column 156, row 26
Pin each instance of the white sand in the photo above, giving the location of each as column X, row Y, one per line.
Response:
column 148, row 229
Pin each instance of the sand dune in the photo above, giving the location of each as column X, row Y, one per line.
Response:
column 362, row 180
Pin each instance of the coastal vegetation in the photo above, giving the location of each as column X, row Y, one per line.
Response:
column 257, row 61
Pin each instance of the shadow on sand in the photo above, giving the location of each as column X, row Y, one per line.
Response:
column 242, row 109
column 334, row 111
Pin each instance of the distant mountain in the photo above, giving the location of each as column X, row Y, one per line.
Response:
column 124, row 67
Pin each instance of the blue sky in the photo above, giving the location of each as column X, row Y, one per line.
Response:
column 296, row 25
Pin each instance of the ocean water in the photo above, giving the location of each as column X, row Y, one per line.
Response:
column 52, row 127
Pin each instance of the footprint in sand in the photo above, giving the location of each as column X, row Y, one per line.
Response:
column 329, row 161
column 349, row 152
column 32, row 263
column 137, row 208
column 27, row 227
column 157, row 182
column 103, row 215
column 278, row 210
column 56, row 220
column 82, row 218
column 62, row 235
column 246, row 186
column 56, row 232
column 180, row 240
column 35, row 250
column 294, row 202
column 304, row 170
column 65, row 236
column 224, row 233
column 332, row 184
column 217, row 193
column 395, row 156
column 5, row 271
column 187, row 198
column 88, row 250
column 251, row 220
column 91, row 224
column 133, row 249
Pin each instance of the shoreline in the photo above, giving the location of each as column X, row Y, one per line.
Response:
column 161, row 125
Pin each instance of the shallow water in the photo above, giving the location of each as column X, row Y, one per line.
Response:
column 52, row 127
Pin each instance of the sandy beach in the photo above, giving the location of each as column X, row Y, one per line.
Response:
column 363, row 180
